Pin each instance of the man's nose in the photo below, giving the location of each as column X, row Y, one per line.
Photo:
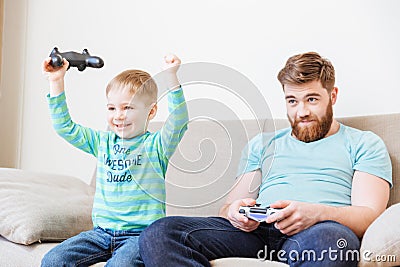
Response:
column 303, row 110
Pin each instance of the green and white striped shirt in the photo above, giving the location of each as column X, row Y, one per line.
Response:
column 130, row 188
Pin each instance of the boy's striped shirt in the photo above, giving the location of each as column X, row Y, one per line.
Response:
column 130, row 188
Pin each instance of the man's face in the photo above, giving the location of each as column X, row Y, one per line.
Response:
column 309, row 110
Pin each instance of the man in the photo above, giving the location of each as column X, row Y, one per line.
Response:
column 329, row 181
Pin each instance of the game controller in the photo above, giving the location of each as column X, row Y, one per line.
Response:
column 256, row 212
column 81, row 61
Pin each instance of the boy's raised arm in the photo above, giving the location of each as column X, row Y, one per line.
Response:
column 176, row 124
column 79, row 136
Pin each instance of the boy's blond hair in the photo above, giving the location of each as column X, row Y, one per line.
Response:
column 138, row 82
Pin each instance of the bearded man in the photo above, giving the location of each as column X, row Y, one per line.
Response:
column 329, row 182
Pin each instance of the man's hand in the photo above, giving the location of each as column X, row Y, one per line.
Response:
column 239, row 220
column 294, row 216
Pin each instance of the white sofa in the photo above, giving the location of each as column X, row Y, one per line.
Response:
column 37, row 210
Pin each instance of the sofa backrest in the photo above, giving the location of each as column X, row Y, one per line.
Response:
column 203, row 169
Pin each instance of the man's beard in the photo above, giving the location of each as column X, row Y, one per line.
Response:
column 318, row 128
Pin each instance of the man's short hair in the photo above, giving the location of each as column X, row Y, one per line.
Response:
column 308, row 67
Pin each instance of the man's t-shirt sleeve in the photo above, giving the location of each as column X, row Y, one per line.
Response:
column 250, row 159
column 372, row 157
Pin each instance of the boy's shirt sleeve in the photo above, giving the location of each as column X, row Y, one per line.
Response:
column 79, row 136
column 176, row 123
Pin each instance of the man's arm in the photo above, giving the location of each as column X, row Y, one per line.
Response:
column 244, row 193
column 369, row 198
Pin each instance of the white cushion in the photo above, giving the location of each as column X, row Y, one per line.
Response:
column 381, row 242
column 37, row 207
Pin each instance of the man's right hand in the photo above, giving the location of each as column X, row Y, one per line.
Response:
column 239, row 220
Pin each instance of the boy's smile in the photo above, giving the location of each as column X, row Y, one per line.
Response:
column 128, row 114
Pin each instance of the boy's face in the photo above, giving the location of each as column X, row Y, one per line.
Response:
column 128, row 115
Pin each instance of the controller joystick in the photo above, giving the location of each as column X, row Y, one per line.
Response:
column 81, row 61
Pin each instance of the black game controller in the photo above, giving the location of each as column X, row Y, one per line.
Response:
column 257, row 213
column 81, row 61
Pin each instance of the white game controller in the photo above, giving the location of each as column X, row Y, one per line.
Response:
column 256, row 212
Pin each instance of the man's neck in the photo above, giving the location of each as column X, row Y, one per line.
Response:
column 335, row 126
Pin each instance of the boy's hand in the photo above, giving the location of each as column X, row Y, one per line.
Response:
column 171, row 63
column 54, row 74
column 171, row 66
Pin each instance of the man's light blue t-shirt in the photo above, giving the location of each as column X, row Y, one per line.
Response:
column 316, row 172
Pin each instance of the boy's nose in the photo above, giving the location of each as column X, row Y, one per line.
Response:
column 120, row 114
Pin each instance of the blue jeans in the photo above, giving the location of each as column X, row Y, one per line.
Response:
column 194, row 241
column 117, row 248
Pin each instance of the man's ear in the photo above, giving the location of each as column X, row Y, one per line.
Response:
column 153, row 111
column 334, row 94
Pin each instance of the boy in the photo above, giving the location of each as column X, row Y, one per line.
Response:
column 131, row 164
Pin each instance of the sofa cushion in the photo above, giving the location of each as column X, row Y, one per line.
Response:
column 43, row 207
column 17, row 255
column 381, row 243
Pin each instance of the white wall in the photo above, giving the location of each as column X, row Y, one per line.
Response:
column 12, row 82
column 255, row 38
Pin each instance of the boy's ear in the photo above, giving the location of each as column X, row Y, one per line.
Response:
column 153, row 111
